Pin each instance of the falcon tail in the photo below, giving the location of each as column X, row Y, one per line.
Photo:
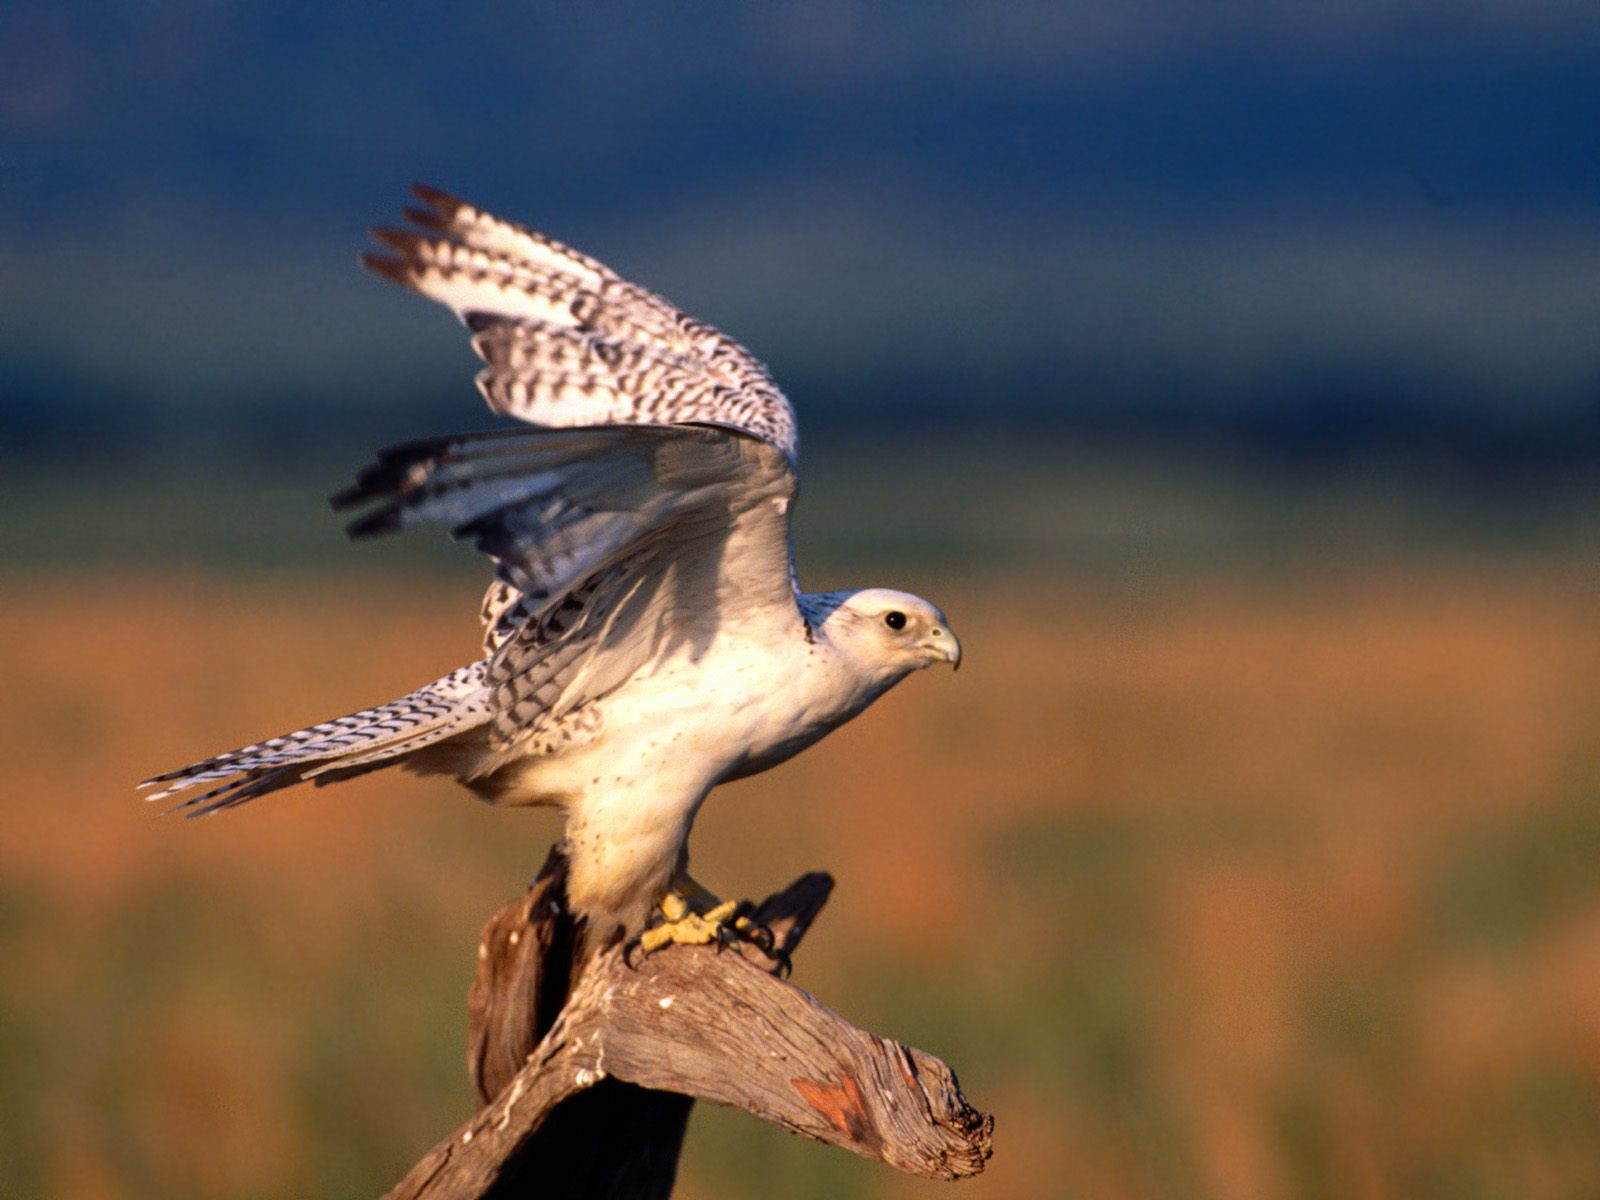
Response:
column 374, row 738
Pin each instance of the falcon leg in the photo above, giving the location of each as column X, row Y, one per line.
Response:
column 694, row 916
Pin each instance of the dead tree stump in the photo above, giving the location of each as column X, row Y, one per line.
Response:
column 585, row 1088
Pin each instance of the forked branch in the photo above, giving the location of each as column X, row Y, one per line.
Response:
column 685, row 1022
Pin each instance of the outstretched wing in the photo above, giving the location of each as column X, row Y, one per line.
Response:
column 566, row 341
column 623, row 544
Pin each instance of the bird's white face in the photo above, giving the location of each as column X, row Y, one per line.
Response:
column 894, row 630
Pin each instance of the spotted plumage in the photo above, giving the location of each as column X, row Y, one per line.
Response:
column 644, row 635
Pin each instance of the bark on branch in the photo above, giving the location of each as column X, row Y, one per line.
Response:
column 590, row 1097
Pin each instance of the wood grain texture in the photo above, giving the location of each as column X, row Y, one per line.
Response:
column 593, row 1101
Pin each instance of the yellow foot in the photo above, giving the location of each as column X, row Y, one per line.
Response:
column 692, row 916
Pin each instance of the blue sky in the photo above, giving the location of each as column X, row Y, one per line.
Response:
column 1111, row 208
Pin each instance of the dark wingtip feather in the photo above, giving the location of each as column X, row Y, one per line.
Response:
column 479, row 527
column 384, row 520
column 427, row 218
column 384, row 477
column 381, row 481
column 392, row 475
column 347, row 498
column 402, row 240
column 418, row 448
column 438, row 199
column 389, row 268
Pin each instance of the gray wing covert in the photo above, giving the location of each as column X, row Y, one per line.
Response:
column 623, row 544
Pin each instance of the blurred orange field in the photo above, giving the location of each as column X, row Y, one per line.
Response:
column 1207, row 889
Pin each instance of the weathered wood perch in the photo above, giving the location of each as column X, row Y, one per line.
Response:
column 586, row 1091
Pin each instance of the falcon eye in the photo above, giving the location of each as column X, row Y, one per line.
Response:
column 895, row 620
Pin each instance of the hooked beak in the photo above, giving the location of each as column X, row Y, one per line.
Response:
column 945, row 645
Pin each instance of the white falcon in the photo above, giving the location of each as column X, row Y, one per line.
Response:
column 646, row 638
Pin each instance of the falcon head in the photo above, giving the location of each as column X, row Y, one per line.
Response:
column 896, row 631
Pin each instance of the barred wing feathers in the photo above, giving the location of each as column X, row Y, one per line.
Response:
column 566, row 341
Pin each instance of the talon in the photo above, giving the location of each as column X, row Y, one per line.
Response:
column 758, row 935
column 628, row 948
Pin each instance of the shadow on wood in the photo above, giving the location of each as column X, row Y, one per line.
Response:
column 586, row 1088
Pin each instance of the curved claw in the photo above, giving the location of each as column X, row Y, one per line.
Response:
column 636, row 942
column 762, row 938
column 758, row 935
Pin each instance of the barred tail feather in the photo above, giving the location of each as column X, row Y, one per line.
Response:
column 337, row 749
